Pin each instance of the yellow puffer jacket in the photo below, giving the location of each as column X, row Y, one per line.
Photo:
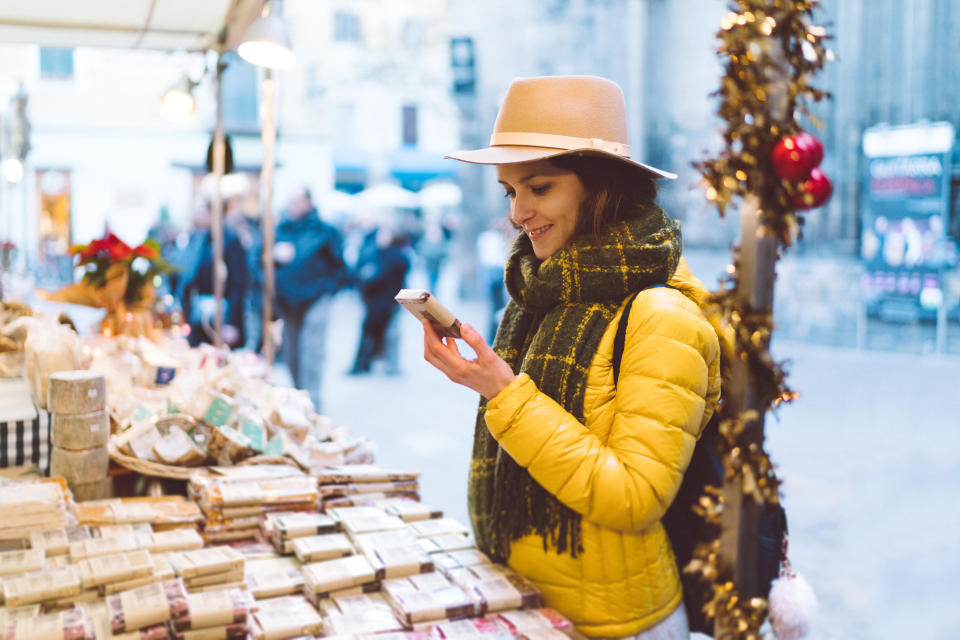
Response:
column 622, row 470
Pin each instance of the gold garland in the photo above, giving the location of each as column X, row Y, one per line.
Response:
column 770, row 48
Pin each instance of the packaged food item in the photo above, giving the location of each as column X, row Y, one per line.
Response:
column 172, row 540
column 65, row 625
column 211, row 560
column 447, row 560
column 340, row 573
column 52, row 541
column 228, row 446
column 393, row 554
column 119, row 530
column 8, row 614
column 429, row 596
column 213, row 609
column 361, row 614
column 146, row 606
column 39, row 586
column 286, row 617
column 298, row 525
column 96, row 490
column 322, row 547
column 317, row 598
column 81, row 430
column 271, row 577
column 523, row 621
column 156, row 510
column 446, row 542
column 218, row 579
column 439, row 527
column 177, row 448
column 16, row 562
column 357, row 520
column 495, row 587
column 76, row 392
column 32, row 506
column 101, row 547
column 487, row 628
column 138, row 439
column 363, row 473
column 162, row 571
column 409, row 510
column 81, row 466
column 351, row 488
column 115, row 568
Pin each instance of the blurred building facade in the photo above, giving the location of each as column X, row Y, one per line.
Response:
column 382, row 89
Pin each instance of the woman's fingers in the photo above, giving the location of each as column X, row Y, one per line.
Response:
column 473, row 338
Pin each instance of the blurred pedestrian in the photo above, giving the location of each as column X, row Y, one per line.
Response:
column 194, row 283
column 309, row 269
column 433, row 250
column 380, row 274
column 492, row 246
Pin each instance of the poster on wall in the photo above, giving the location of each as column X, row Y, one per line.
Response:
column 904, row 243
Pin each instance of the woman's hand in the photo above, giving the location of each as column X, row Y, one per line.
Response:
column 487, row 374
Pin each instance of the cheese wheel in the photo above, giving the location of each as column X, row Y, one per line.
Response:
column 76, row 392
column 79, row 467
column 97, row 490
column 80, row 430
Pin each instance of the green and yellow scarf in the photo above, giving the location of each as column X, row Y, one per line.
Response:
column 551, row 328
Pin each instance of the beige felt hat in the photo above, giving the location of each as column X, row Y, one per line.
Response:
column 549, row 116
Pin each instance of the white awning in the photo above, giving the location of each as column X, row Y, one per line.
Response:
column 192, row 25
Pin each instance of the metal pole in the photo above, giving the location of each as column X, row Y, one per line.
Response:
column 216, row 213
column 269, row 137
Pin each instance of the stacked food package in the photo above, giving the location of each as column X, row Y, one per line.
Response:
column 364, row 484
column 33, row 506
column 235, row 499
column 79, row 429
column 293, row 532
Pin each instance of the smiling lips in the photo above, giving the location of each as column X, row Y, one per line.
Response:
column 538, row 232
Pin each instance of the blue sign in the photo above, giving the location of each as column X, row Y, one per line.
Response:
column 904, row 242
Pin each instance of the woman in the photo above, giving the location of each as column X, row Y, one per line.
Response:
column 572, row 469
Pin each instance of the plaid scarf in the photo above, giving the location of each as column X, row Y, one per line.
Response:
column 551, row 329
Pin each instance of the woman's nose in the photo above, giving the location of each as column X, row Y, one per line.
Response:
column 519, row 212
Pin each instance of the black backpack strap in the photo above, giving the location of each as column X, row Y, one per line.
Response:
column 622, row 334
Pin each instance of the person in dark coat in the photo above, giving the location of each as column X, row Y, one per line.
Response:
column 194, row 284
column 308, row 255
column 381, row 272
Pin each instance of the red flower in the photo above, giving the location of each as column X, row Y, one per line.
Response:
column 146, row 251
column 119, row 250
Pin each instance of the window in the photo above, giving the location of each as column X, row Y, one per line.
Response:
column 346, row 27
column 56, row 63
column 410, row 125
column 240, row 100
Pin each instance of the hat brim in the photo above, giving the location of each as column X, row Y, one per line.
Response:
column 513, row 155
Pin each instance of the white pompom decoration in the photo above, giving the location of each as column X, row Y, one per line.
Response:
column 793, row 606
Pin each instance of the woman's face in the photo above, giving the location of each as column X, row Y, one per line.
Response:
column 544, row 202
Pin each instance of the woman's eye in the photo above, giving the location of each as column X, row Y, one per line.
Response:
column 508, row 194
column 539, row 190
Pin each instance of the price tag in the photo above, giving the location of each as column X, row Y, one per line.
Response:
column 219, row 412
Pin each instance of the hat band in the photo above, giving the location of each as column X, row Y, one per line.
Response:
column 552, row 141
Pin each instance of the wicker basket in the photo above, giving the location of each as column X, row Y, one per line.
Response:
column 147, row 467
column 160, row 470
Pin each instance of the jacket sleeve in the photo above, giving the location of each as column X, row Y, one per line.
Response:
column 625, row 482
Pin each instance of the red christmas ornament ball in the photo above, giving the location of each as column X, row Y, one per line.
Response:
column 794, row 156
column 814, row 191
column 808, row 144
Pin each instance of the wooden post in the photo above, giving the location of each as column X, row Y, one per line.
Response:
column 269, row 137
column 216, row 207
column 739, row 544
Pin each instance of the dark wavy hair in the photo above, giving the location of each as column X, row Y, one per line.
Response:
column 614, row 190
